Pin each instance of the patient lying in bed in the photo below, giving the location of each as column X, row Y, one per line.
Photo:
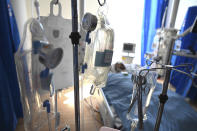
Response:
column 177, row 116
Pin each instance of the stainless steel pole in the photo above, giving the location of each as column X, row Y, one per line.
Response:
column 75, row 41
column 76, row 88
column 172, row 13
column 140, row 112
column 163, row 98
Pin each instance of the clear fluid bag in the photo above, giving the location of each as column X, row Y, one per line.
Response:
column 34, row 89
column 103, row 52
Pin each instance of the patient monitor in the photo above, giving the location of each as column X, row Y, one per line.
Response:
column 128, row 52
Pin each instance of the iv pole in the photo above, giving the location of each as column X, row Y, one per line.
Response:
column 75, row 36
column 163, row 96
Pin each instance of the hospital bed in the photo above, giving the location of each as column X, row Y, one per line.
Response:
column 114, row 99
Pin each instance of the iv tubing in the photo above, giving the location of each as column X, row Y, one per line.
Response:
column 82, row 103
column 49, row 123
column 24, row 34
column 32, row 11
column 56, row 123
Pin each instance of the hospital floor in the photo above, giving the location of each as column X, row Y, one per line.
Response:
column 92, row 120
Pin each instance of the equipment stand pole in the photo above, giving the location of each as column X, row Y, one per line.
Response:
column 75, row 36
column 140, row 112
column 163, row 98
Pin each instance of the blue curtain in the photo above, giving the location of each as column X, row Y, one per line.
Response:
column 182, row 83
column 152, row 19
column 10, row 105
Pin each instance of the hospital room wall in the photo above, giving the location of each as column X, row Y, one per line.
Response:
column 19, row 8
column 124, row 17
column 182, row 9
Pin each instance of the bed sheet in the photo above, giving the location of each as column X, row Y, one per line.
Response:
column 178, row 115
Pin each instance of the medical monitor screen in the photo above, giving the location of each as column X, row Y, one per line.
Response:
column 129, row 47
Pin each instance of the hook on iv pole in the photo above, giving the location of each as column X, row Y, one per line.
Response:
column 56, row 1
column 101, row 4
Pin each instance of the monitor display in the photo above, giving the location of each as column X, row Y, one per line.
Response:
column 129, row 47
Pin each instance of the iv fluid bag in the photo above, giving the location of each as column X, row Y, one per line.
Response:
column 57, row 30
column 103, row 52
column 34, row 88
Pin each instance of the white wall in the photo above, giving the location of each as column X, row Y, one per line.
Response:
column 183, row 6
column 19, row 8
